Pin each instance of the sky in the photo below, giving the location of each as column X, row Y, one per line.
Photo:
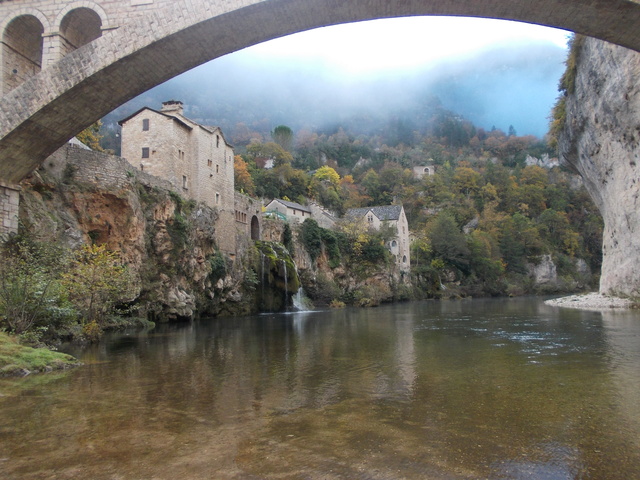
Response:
column 402, row 43
column 492, row 72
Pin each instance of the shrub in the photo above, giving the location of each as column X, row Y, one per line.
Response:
column 218, row 267
column 96, row 282
column 30, row 294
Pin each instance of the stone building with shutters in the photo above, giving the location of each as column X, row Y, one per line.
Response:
column 196, row 159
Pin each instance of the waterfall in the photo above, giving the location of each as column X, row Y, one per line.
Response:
column 262, row 257
column 299, row 300
column 286, row 283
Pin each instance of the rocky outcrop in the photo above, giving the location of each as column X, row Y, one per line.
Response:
column 167, row 242
column 601, row 141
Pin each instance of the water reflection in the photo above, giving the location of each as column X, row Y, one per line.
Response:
column 465, row 389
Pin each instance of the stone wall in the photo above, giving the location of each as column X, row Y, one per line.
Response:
column 248, row 212
column 9, row 206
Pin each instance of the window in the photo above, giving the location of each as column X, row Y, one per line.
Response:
column 370, row 218
column 217, row 141
column 145, row 124
column 217, row 198
column 184, row 182
column 209, row 163
column 217, row 168
column 145, row 152
column 394, row 243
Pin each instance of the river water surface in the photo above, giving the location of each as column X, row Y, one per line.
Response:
column 497, row 389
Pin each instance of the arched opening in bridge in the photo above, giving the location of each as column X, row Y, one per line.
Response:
column 255, row 228
column 79, row 27
column 21, row 50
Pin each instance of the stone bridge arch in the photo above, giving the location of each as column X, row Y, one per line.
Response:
column 82, row 87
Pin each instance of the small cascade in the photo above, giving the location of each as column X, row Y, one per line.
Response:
column 262, row 258
column 286, row 283
column 300, row 301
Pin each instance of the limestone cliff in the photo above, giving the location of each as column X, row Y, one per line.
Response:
column 600, row 139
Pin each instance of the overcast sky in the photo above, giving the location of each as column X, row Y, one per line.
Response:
column 400, row 43
column 492, row 72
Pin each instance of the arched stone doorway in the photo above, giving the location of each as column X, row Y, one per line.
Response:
column 21, row 50
column 255, row 228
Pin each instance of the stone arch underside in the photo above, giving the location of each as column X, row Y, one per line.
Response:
column 71, row 94
column 21, row 50
column 79, row 27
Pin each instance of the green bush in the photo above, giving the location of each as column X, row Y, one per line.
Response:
column 218, row 267
column 30, row 291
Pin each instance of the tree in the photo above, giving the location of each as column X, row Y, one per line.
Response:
column 91, row 136
column 96, row 282
column 519, row 239
column 30, row 294
column 242, row 177
column 271, row 151
column 448, row 242
column 466, row 180
column 420, row 248
column 283, row 136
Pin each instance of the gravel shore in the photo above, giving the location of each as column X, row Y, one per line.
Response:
column 591, row 301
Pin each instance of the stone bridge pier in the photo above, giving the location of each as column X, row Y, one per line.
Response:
column 9, row 204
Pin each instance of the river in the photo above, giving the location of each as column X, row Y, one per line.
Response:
column 495, row 388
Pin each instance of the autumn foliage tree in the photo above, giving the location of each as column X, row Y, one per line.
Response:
column 242, row 177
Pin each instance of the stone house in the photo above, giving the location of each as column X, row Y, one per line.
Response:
column 394, row 217
column 420, row 171
column 196, row 159
column 292, row 212
column 324, row 217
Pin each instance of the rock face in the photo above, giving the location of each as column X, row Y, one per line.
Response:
column 601, row 141
column 167, row 242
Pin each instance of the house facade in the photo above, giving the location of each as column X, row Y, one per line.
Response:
column 420, row 171
column 195, row 159
column 292, row 212
column 392, row 216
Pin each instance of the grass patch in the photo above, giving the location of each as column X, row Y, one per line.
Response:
column 16, row 359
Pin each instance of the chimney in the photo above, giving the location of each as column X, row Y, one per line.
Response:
column 173, row 106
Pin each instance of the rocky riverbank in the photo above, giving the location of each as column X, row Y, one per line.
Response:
column 592, row 301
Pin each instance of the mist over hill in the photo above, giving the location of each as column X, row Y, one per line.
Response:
column 500, row 86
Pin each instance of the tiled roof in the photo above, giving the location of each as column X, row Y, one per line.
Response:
column 124, row 120
column 294, row 205
column 384, row 212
